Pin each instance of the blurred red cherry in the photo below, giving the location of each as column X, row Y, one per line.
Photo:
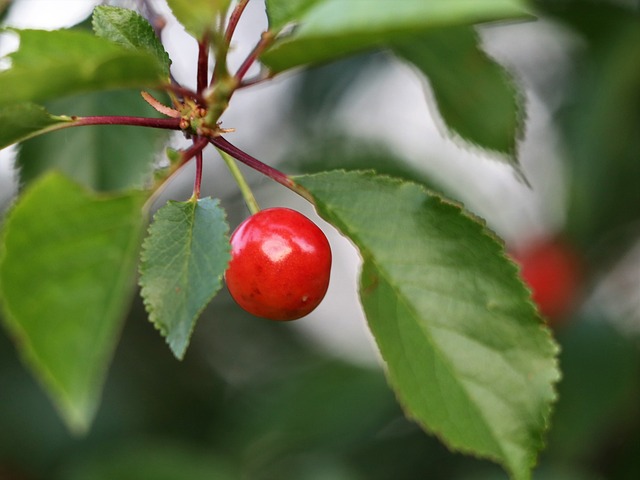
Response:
column 552, row 270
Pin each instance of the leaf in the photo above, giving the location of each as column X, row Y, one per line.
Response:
column 50, row 64
column 465, row 350
column 102, row 157
column 183, row 260
column 129, row 29
column 198, row 16
column 25, row 120
column 475, row 96
column 66, row 277
column 334, row 28
column 281, row 12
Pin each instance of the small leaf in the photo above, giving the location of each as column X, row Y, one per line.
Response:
column 50, row 64
column 183, row 260
column 198, row 16
column 329, row 29
column 102, row 157
column 67, row 270
column 25, row 120
column 467, row 355
column 475, row 96
column 129, row 29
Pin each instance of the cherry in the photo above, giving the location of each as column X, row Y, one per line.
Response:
column 552, row 270
column 280, row 264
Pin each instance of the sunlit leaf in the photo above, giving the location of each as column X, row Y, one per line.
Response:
column 67, row 269
column 281, row 12
column 129, row 29
column 50, row 64
column 466, row 352
column 102, row 157
column 328, row 29
column 183, row 260
column 198, row 16
column 25, row 120
column 475, row 96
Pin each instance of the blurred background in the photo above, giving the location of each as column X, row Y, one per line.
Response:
column 308, row 401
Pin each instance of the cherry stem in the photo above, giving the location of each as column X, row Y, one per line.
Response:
column 247, row 194
column 234, row 19
column 203, row 64
column 198, row 145
column 276, row 175
column 262, row 77
column 196, row 148
column 265, row 39
column 164, row 123
column 198, row 180
column 185, row 92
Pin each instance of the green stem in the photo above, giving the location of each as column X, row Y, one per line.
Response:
column 247, row 194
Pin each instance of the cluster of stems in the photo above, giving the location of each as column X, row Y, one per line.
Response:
column 197, row 113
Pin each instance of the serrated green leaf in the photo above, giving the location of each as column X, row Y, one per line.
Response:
column 198, row 16
column 183, row 260
column 51, row 64
column 67, row 270
column 25, row 120
column 102, row 157
column 129, row 29
column 466, row 353
column 334, row 28
column 476, row 97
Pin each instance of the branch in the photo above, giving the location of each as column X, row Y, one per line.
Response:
column 265, row 40
column 259, row 166
column 185, row 92
column 234, row 19
column 197, row 182
column 203, row 64
column 164, row 123
column 198, row 145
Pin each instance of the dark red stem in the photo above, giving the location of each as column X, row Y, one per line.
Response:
column 186, row 92
column 255, row 80
column 165, row 123
column 198, row 145
column 198, row 180
column 260, row 47
column 203, row 64
column 254, row 163
column 234, row 19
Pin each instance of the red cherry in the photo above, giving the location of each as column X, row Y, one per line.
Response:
column 280, row 264
column 552, row 271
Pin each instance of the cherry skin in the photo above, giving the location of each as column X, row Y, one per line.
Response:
column 280, row 265
column 552, row 270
